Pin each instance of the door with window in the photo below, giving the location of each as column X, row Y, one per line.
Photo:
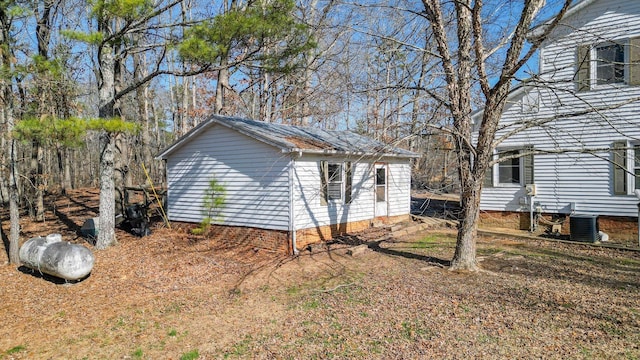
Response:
column 381, row 189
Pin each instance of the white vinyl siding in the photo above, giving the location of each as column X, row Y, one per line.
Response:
column 580, row 178
column 264, row 185
column 562, row 179
column 255, row 176
column 636, row 166
column 399, row 188
column 309, row 211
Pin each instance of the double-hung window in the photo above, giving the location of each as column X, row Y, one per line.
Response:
column 335, row 182
column 509, row 169
column 626, row 172
column 608, row 63
column 530, row 102
column 515, row 168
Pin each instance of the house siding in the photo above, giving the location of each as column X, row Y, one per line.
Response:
column 399, row 188
column 255, row 175
column 579, row 178
column 308, row 210
column 316, row 222
column 310, row 213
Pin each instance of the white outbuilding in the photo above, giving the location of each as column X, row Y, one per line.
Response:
column 287, row 186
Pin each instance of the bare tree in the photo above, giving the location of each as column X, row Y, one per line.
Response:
column 461, row 64
column 8, row 121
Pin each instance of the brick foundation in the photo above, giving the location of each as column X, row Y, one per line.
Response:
column 280, row 240
column 619, row 228
column 273, row 240
column 309, row 236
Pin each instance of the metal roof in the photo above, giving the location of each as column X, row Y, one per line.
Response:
column 290, row 139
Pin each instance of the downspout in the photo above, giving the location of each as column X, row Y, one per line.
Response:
column 530, row 194
column 292, row 223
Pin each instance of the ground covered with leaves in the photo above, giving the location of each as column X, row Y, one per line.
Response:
column 175, row 296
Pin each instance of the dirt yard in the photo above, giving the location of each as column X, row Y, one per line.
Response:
column 174, row 296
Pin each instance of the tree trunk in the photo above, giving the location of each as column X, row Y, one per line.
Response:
column 106, row 224
column 14, row 194
column 223, row 80
column 6, row 114
column 4, row 185
column 64, row 169
column 142, row 98
column 264, row 96
column 122, row 173
column 464, row 257
column 14, row 211
column 186, row 113
column 37, row 180
column 67, row 183
column 157, row 141
column 43, row 32
column 147, row 146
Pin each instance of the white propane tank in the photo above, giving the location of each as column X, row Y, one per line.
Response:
column 55, row 257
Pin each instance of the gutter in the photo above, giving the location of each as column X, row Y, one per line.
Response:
column 538, row 29
column 337, row 152
column 292, row 222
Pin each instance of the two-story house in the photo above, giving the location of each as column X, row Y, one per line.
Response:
column 580, row 117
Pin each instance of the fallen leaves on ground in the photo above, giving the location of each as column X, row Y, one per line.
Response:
column 171, row 294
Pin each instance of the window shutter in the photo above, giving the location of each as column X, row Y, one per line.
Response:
column 487, row 182
column 619, row 157
column 527, row 166
column 324, row 180
column 348, row 173
column 583, row 68
column 488, row 178
column 634, row 61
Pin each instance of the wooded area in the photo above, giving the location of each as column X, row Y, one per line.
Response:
column 92, row 91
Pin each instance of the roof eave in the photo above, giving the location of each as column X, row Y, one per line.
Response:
column 284, row 146
column 190, row 134
column 539, row 29
column 217, row 120
column 349, row 153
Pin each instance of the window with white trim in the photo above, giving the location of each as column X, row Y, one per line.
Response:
column 516, row 168
column 509, row 169
column 625, row 159
column 335, row 182
column 608, row 63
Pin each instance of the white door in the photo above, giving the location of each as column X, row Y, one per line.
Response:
column 381, row 189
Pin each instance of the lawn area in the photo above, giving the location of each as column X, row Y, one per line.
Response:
column 170, row 296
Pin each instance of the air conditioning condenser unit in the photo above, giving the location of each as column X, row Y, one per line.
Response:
column 584, row 227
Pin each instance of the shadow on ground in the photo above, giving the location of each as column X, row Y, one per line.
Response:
column 439, row 208
column 375, row 246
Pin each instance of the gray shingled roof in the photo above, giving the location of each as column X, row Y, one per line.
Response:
column 297, row 139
